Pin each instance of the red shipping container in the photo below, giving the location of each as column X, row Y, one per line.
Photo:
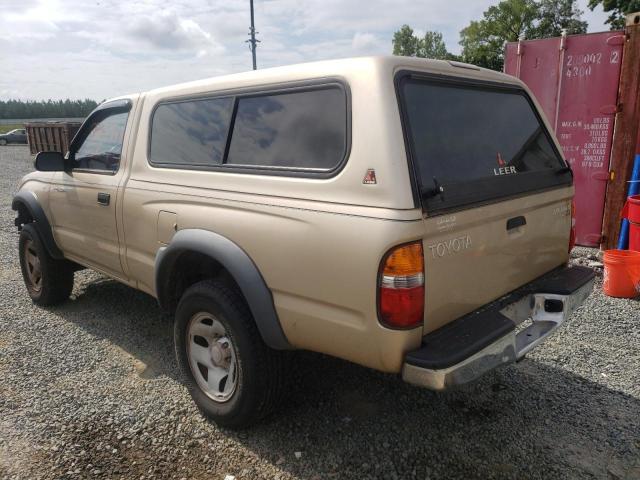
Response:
column 575, row 80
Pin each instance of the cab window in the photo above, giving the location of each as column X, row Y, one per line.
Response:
column 101, row 147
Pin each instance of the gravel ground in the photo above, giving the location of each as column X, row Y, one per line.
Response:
column 90, row 390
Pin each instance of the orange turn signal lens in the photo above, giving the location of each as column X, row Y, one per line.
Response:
column 405, row 260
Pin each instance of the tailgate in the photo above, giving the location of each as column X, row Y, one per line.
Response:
column 473, row 258
column 494, row 188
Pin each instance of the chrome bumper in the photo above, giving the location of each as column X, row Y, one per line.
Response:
column 535, row 315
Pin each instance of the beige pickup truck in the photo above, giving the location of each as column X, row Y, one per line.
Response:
column 408, row 215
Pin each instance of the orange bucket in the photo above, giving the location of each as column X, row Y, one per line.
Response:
column 621, row 273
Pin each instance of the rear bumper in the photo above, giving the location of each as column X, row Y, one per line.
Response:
column 499, row 333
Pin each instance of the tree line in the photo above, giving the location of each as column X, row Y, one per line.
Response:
column 483, row 40
column 46, row 108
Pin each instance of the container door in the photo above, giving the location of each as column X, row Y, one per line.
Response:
column 587, row 108
column 537, row 63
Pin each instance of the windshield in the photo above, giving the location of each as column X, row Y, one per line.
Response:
column 473, row 144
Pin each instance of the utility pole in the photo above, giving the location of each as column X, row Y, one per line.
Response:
column 252, row 41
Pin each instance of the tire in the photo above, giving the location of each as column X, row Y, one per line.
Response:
column 256, row 371
column 3, row 141
column 48, row 281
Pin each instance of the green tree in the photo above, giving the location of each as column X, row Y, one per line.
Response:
column 483, row 40
column 18, row 109
column 433, row 46
column 617, row 9
column 558, row 15
column 407, row 44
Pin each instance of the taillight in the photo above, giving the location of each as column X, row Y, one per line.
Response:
column 401, row 287
column 572, row 234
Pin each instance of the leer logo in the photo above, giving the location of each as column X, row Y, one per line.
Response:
column 503, row 168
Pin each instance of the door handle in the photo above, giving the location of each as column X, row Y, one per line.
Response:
column 516, row 222
column 104, row 198
column 60, row 189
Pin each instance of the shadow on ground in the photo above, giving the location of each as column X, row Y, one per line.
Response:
column 530, row 420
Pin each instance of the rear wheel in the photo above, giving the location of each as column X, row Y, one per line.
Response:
column 231, row 374
column 48, row 281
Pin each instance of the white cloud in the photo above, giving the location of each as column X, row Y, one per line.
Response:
column 102, row 48
column 167, row 30
column 363, row 41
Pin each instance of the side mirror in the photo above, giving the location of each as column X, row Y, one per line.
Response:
column 50, row 162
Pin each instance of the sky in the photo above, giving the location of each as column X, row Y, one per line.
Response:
column 103, row 48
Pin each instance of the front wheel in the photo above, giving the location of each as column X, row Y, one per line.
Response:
column 3, row 141
column 49, row 281
column 234, row 378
